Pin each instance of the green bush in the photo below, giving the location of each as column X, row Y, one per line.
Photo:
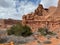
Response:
column 19, row 30
column 45, row 31
column 26, row 31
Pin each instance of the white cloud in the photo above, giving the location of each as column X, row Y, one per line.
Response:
column 48, row 3
column 3, row 3
column 26, row 8
column 8, row 10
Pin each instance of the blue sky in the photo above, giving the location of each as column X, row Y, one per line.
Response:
column 15, row 9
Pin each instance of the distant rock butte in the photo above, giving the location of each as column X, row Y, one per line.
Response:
column 7, row 23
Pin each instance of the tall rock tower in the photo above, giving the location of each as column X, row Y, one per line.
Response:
column 59, row 4
column 57, row 12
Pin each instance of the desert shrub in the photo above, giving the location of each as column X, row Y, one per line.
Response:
column 19, row 30
column 45, row 31
column 26, row 31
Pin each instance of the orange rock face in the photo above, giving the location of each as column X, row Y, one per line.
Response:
column 43, row 18
column 49, row 18
column 36, row 19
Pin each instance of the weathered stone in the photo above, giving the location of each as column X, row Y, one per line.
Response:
column 39, row 10
column 43, row 17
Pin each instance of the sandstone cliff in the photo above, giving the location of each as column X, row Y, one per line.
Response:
column 52, row 9
column 43, row 17
column 39, row 14
column 55, row 15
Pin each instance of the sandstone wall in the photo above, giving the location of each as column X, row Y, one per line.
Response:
column 43, row 18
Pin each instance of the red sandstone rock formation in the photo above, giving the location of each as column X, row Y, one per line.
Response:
column 34, row 19
column 39, row 10
column 52, row 9
column 58, row 9
column 55, row 15
column 50, row 19
column 43, row 18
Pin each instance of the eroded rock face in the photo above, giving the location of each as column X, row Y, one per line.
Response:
column 57, row 12
column 55, row 15
column 59, row 4
column 33, row 19
column 43, row 17
column 52, row 9
column 39, row 10
column 49, row 18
